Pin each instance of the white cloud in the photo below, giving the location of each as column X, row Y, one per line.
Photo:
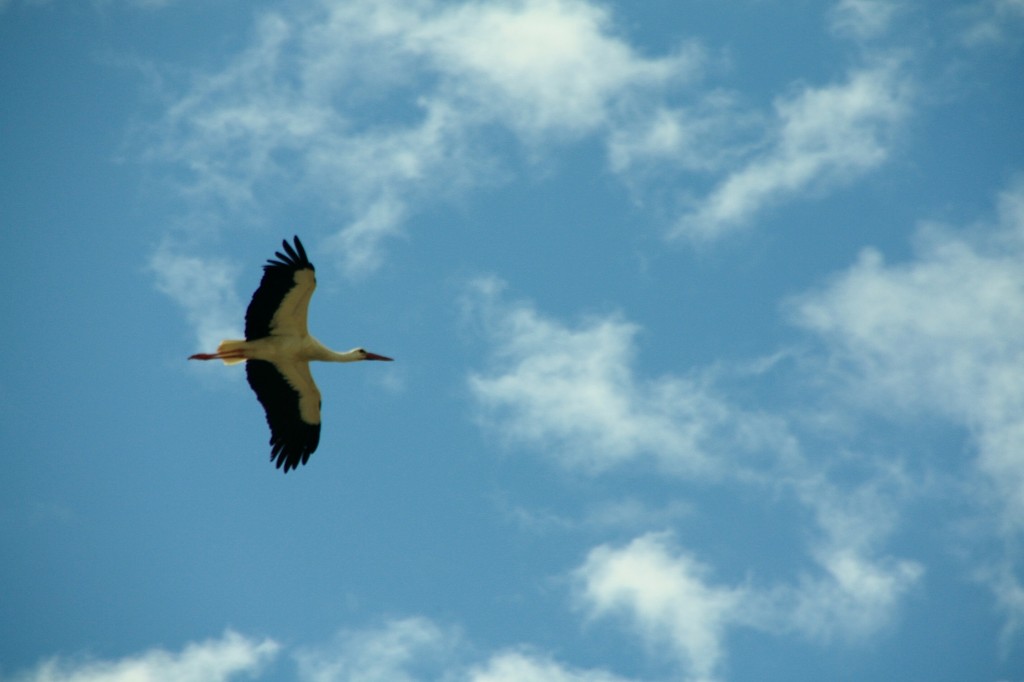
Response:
column 373, row 109
column 1009, row 595
column 520, row 667
column 543, row 65
column 665, row 594
column 824, row 136
column 666, row 597
column 205, row 289
column 359, row 244
column 863, row 19
column 943, row 333
column 574, row 392
column 417, row 649
column 857, row 597
column 857, row 592
column 413, row 649
column 401, row 650
column 301, row 107
column 708, row 136
column 991, row 22
column 229, row 657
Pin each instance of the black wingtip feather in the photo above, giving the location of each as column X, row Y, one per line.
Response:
column 292, row 440
column 278, row 279
column 293, row 257
column 300, row 249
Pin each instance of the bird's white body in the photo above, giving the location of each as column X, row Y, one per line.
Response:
column 282, row 348
column 278, row 348
column 291, row 354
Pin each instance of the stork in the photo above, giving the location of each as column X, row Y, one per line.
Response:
column 277, row 351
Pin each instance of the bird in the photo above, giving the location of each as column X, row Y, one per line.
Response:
column 277, row 350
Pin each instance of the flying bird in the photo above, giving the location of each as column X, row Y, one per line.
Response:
column 277, row 350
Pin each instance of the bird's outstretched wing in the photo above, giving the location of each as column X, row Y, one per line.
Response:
column 281, row 303
column 292, row 402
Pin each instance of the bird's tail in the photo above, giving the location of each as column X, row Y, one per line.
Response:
column 231, row 351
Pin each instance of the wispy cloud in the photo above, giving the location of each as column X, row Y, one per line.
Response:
column 939, row 333
column 991, row 22
column 205, row 290
column 863, row 19
column 666, row 595
column 233, row 656
column 822, row 136
column 413, row 649
column 515, row 666
column 300, row 107
column 419, row 649
column 1002, row 578
column 661, row 593
column 544, row 66
column 573, row 391
column 857, row 591
column 386, row 653
column 943, row 333
column 373, row 110
column 710, row 135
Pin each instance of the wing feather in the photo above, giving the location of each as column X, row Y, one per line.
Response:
column 280, row 304
column 291, row 401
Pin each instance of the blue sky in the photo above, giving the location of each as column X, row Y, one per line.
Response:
column 708, row 321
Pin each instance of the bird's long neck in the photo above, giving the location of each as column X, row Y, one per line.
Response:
column 318, row 351
column 347, row 356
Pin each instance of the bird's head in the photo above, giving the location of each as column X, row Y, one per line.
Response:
column 363, row 354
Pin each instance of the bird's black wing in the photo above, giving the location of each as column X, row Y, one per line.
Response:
column 291, row 411
column 282, row 299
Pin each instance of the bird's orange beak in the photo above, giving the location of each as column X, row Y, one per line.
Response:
column 374, row 356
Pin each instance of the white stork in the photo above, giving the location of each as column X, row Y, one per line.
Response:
column 277, row 350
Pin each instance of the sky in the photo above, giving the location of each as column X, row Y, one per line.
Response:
column 708, row 320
